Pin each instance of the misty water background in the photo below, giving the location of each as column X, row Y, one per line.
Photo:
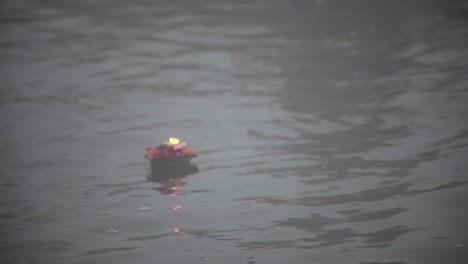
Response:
column 327, row 131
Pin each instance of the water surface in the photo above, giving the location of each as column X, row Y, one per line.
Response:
column 327, row 132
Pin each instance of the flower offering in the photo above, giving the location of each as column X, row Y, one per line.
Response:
column 170, row 151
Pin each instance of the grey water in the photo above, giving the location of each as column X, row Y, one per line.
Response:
column 326, row 131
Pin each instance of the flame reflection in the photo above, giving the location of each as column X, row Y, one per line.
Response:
column 175, row 207
column 178, row 231
column 171, row 179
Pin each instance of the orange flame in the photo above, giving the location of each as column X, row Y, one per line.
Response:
column 175, row 207
column 178, row 231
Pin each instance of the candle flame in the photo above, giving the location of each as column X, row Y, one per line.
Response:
column 174, row 141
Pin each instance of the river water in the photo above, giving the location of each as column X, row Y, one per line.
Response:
column 327, row 131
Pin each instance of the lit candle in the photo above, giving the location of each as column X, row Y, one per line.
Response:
column 174, row 141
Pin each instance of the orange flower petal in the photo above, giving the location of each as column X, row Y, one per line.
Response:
column 188, row 151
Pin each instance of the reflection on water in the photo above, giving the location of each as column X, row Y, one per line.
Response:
column 326, row 130
column 171, row 179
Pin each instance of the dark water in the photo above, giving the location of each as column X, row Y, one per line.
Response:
column 327, row 131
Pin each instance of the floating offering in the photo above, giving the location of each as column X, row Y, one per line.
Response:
column 171, row 152
column 170, row 164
